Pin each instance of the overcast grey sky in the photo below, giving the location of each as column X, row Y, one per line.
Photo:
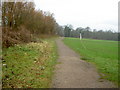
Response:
column 98, row 14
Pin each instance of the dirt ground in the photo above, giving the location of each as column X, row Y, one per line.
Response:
column 72, row 72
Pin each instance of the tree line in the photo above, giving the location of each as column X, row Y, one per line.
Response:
column 21, row 21
column 68, row 31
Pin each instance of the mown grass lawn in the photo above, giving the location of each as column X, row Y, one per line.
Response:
column 29, row 65
column 103, row 53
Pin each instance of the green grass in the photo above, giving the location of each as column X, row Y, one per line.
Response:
column 102, row 53
column 29, row 65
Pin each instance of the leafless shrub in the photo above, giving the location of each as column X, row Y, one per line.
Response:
column 10, row 38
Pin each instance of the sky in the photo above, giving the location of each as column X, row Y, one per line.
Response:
column 97, row 14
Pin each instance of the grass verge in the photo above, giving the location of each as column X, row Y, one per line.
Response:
column 102, row 53
column 29, row 66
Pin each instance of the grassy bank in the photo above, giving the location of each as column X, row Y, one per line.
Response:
column 103, row 53
column 30, row 65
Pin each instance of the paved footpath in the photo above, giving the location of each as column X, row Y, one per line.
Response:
column 72, row 72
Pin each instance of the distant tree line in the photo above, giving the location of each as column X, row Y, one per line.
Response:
column 68, row 31
column 21, row 21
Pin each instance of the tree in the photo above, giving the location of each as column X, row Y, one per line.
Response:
column 67, row 30
column 22, row 19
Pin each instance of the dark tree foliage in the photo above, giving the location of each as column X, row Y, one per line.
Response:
column 67, row 30
column 93, row 34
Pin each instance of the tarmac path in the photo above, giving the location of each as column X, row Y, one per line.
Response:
column 72, row 72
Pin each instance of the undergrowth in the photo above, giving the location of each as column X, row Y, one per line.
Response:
column 29, row 65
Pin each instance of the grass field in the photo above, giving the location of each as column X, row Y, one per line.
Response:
column 102, row 53
column 29, row 65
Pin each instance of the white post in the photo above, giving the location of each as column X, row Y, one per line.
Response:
column 80, row 36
